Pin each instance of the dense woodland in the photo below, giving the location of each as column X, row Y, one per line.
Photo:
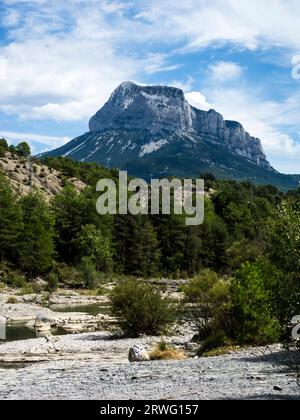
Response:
column 244, row 259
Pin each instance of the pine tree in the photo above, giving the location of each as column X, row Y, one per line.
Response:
column 10, row 220
column 137, row 246
column 3, row 147
column 24, row 149
column 37, row 246
column 68, row 209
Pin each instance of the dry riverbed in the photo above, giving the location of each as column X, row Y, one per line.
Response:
column 95, row 365
column 103, row 372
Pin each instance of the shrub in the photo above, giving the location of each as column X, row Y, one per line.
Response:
column 140, row 309
column 15, row 280
column 216, row 340
column 12, row 300
column 254, row 293
column 69, row 276
column 28, row 289
column 89, row 272
column 211, row 303
column 23, row 149
column 164, row 352
column 52, row 282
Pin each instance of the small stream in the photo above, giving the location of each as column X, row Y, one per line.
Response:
column 21, row 331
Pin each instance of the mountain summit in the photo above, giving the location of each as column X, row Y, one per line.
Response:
column 152, row 131
column 162, row 108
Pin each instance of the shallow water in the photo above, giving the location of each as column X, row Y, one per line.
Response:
column 20, row 331
column 93, row 309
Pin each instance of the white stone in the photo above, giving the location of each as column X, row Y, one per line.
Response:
column 138, row 354
column 42, row 323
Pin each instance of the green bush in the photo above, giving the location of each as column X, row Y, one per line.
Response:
column 28, row 289
column 211, row 303
column 214, row 341
column 254, row 296
column 140, row 309
column 69, row 276
column 15, row 281
column 23, row 149
column 89, row 273
column 52, row 282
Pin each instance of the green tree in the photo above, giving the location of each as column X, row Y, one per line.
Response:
column 283, row 237
column 23, row 149
column 137, row 246
column 92, row 243
column 255, row 294
column 10, row 221
column 37, row 245
column 3, row 147
column 68, row 209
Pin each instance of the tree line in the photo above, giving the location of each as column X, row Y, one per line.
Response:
column 251, row 236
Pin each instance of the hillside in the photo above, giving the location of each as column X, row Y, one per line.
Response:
column 25, row 175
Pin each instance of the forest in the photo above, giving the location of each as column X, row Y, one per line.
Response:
column 243, row 261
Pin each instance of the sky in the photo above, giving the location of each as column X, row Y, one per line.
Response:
column 61, row 60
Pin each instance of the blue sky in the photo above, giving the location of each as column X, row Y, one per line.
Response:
column 60, row 61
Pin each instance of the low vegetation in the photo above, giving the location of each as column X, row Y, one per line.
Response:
column 140, row 309
column 165, row 352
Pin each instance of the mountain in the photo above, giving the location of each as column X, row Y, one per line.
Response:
column 152, row 131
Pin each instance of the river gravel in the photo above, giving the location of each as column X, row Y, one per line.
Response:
column 259, row 373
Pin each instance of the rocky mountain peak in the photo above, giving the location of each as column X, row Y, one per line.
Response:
column 157, row 109
column 144, row 107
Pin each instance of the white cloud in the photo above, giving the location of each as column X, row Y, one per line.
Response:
column 186, row 85
column 198, row 100
column 157, row 63
column 63, row 59
column 225, row 71
column 251, row 24
column 49, row 141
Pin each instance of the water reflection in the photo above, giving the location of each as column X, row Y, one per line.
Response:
column 21, row 331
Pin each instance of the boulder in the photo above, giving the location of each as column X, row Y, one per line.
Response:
column 138, row 354
column 192, row 347
column 42, row 323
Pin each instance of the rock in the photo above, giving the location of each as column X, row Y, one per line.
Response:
column 277, row 388
column 51, row 339
column 192, row 347
column 138, row 354
column 42, row 323
column 40, row 282
column 74, row 327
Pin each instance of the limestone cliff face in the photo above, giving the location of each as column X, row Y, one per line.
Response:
column 160, row 108
column 144, row 107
